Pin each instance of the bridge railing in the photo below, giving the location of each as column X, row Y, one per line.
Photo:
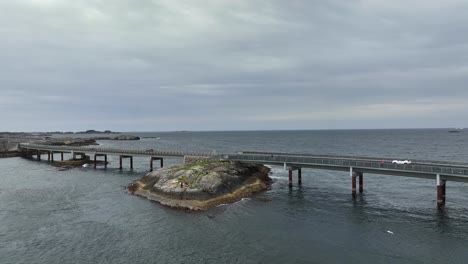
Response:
column 450, row 163
column 336, row 162
column 115, row 151
column 275, row 159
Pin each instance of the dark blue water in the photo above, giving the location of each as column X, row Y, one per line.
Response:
column 85, row 216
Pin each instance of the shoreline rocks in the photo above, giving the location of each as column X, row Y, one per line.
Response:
column 77, row 162
column 81, row 142
column 120, row 137
column 49, row 139
column 202, row 185
column 9, row 154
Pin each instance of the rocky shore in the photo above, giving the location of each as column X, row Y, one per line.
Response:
column 71, row 163
column 9, row 154
column 48, row 139
column 80, row 142
column 201, row 185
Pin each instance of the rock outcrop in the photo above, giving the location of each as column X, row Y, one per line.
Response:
column 120, row 137
column 76, row 142
column 81, row 142
column 201, row 185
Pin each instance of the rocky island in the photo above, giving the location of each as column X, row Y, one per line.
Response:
column 203, row 184
column 85, row 141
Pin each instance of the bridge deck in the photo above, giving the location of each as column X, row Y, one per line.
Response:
column 426, row 169
column 455, row 171
column 111, row 151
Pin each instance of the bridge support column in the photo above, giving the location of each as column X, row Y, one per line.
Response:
column 123, row 157
column 38, row 155
column 353, row 183
column 61, row 155
column 100, row 155
column 354, row 186
column 440, row 192
column 290, row 178
column 52, row 156
column 48, row 155
column 361, row 182
column 299, row 176
column 153, row 159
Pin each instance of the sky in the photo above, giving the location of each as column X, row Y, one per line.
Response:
column 165, row 65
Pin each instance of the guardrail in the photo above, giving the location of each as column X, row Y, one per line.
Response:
column 386, row 159
column 435, row 167
column 115, row 151
column 338, row 162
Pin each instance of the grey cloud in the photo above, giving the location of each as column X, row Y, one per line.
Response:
column 207, row 64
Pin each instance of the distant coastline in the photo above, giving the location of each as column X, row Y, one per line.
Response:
column 10, row 140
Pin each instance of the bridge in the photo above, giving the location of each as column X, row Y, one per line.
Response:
column 38, row 150
column 440, row 171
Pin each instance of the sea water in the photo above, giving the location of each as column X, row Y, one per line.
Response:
column 84, row 215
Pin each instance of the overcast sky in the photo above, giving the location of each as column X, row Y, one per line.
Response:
column 161, row 65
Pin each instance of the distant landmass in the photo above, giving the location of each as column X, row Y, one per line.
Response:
column 91, row 131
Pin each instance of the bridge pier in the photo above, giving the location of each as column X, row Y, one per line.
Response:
column 361, row 182
column 100, row 155
column 353, row 185
column 441, row 188
column 52, row 156
column 290, row 176
column 353, row 175
column 38, row 155
column 153, row 159
column 48, row 155
column 299, row 176
column 124, row 157
column 61, row 155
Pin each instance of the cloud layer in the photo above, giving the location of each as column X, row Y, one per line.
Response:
column 229, row 65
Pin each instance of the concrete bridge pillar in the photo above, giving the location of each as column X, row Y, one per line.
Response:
column 38, row 155
column 48, row 155
column 122, row 157
column 354, row 174
column 361, row 182
column 153, row 159
column 100, row 155
column 299, row 176
column 61, row 155
column 353, row 185
column 52, row 156
column 440, row 191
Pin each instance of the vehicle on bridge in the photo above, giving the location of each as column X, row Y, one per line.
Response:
column 401, row 161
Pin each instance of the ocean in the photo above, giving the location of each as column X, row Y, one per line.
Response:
column 84, row 215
